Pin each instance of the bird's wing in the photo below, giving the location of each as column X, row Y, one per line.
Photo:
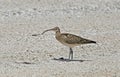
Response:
column 73, row 39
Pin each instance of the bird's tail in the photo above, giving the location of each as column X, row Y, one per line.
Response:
column 92, row 42
column 86, row 41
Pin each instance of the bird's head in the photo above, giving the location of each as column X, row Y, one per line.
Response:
column 55, row 29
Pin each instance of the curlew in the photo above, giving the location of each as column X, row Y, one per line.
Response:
column 69, row 40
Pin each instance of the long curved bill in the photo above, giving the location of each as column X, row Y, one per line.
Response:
column 45, row 31
column 42, row 32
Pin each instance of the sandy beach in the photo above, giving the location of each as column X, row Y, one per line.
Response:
column 23, row 55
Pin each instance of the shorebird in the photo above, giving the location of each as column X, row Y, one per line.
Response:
column 68, row 39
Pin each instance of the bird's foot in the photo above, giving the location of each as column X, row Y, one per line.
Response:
column 61, row 58
column 64, row 59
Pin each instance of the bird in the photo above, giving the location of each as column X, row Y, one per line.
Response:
column 67, row 39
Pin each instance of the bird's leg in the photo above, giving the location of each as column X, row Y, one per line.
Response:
column 71, row 54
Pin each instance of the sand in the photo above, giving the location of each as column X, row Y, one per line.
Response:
column 23, row 55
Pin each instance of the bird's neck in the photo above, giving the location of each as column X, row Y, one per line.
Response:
column 57, row 33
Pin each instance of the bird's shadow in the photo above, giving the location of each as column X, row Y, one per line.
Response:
column 69, row 60
column 24, row 63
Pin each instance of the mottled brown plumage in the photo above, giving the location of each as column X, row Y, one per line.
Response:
column 69, row 40
column 72, row 40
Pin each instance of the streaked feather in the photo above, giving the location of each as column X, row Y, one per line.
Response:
column 73, row 39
